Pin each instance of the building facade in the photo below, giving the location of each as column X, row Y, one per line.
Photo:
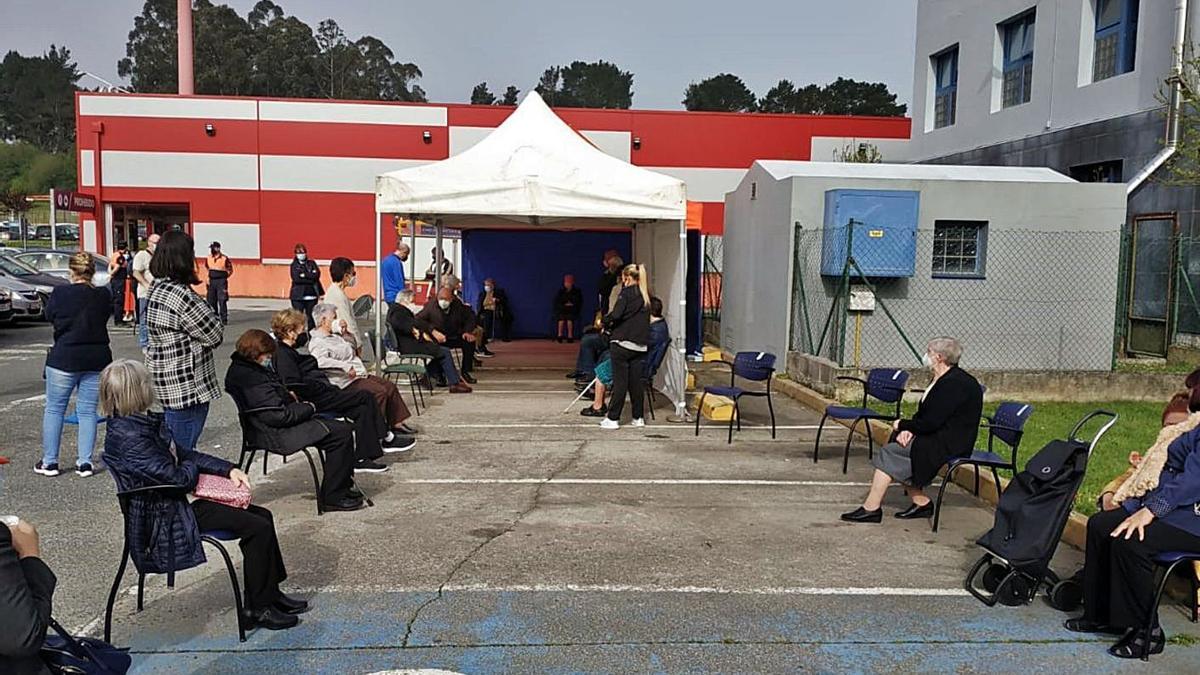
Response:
column 260, row 175
column 1078, row 86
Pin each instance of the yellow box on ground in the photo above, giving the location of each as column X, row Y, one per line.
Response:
column 717, row 408
column 711, row 354
column 691, row 380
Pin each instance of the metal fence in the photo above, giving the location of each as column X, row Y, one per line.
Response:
column 710, row 285
column 1017, row 299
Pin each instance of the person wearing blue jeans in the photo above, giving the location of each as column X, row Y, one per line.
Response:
column 79, row 313
column 186, row 424
column 144, row 277
column 142, row 335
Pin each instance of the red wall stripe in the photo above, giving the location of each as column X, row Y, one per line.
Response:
column 353, row 140
column 172, row 135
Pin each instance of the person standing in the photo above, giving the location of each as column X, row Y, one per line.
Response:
column 628, row 324
column 447, row 266
column 610, row 281
column 567, row 304
column 144, row 277
column 79, row 314
column 118, row 277
column 392, row 271
column 343, row 274
column 220, row 268
column 306, row 283
column 183, row 331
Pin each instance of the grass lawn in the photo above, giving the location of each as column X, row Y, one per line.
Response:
column 1136, row 428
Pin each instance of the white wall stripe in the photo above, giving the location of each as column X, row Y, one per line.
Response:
column 196, row 170
column 87, row 168
column 704, row 184
column 327, row 174
column 238, row 240
column 173, row 107
column 352, row 113
column 873, row 591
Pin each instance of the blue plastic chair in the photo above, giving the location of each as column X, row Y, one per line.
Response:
column 210, row 537
column 1007, row 425
column 885, row 385
column 750, row 366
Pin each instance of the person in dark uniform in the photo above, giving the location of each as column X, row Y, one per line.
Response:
column 306, row 284
column 118, row 277
column 220, row 268
column 568, row 303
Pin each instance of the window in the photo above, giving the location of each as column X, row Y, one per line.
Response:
column 1116, row 38
column 945, row 92
column 1112, row 171
column 959, row 247
column 1017, row 41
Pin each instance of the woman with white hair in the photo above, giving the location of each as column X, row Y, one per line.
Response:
column 944, row 427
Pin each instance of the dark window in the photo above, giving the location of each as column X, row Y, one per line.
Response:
column 959, row 248
column 1112, row 171
column 945, row 93
column 1116, row 38
column 1017, row 36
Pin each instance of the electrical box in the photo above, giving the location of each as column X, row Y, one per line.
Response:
column 884, row 232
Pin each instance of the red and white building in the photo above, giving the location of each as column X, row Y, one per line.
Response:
column 260, row 175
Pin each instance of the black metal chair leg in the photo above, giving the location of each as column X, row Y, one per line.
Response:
column 976, row 480
column 1158, row 593
column 732, row 415
column 996, row 477
column 870, row 439
column 817, row 444
column 937, row 506
column 316, row 481
column 849, row 438
column 141, row 589
column 1192, row 597
column 737, row 409
column 112, row 593
column 266, row 455
column 233, row 581
column 700, row 411
column 771, row 408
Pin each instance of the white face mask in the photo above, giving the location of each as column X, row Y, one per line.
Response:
column 301, row 257
column 488, row 289
column 444, row 304
column 336, row 326
column 927, row 360
column 353, row 280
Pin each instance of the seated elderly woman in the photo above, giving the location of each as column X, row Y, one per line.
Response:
column 944, row 427
column 277, row 422
column 140, row 453
column 336, row 350
column 412, row 337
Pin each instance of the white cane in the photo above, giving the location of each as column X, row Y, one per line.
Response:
column 585, row 390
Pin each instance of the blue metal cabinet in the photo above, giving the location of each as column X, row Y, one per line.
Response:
column 885, row 231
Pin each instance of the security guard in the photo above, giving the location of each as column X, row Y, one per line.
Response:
column 220, row 268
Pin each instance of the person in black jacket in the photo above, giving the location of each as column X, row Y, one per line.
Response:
column 26, row 590
column 411, row 338
column 274, row 420
column 306, row 283
column 118, row 276
column 628, row 326
column 568, row 303
column 452, row 325
column 944, row 427
column 495, row 314
column 610, row 279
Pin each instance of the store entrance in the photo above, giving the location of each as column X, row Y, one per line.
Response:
column 133, row 223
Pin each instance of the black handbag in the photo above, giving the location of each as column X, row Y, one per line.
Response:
column 63, row 653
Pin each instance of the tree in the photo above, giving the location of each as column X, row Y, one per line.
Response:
column 1183, row 170
column 150, row 62
column 510, row 96
column 850, row 97
column 285, row 62
column 784, row 97
column 25, row 170
column 224, row 46
column 724, row 92
column 37, row 101
column 481, row 95
column 587, row 85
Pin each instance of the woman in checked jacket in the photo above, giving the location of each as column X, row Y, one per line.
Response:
column 183, row 331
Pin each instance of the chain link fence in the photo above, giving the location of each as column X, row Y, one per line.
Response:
column 710, row 287
column 1017, row 299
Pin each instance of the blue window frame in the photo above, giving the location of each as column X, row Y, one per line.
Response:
column 1116, row 38
column 945, row 92
column 1017, row 40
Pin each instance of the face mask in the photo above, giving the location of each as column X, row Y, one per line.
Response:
column 301, row 339
column 444, row 304
column 301, row 257
column 926, row 360
column 353, row 280
column 488, row 289
column 267, row 363
column 336, row 326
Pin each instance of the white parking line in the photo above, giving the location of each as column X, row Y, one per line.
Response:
column 875, row 591
column 656, row 427
column 631, row 481
column 21, row 401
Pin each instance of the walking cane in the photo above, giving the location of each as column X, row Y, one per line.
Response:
column 585, row 390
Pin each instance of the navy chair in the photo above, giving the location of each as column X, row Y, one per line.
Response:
column 246, row 458
column 1167, row 561
column 210, row 537
column 750, row 366
column 885, row 385
column 1007, row 425
column 653, row 362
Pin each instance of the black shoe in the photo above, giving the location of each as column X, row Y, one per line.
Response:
column 354, row 492
column 441, row 383
column 1133, row 644
column 347, row 504
column 289, row 605
column 861, row 515
column 369, row 466
column 574, row 375
column 913, row 512
column 1082, row 625
column 592, row 412
column 271, row 619
column 570, row 341
column 399, row 443
column 469, row 378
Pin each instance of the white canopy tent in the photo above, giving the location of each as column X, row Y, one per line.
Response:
column 536, row 171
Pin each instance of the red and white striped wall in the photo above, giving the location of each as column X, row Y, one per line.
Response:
column 274, row 172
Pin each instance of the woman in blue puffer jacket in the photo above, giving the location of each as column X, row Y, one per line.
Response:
column 162, row 527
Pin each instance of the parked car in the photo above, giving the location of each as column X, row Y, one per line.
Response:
column 65, row 232
column 27, row 303
column 6, row 309
column 44, row 283
column 54, row 262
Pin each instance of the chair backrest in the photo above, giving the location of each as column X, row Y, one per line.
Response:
column 754, row 366
column 1013, row 416
column 886, row 384
column 369, row 338
column 362, row 306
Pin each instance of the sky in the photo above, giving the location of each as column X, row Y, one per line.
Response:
column 666, row 44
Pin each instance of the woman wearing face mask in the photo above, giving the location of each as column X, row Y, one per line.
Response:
column 944, row 427
column 306, row 283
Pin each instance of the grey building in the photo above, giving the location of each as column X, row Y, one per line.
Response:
column 1019, row 263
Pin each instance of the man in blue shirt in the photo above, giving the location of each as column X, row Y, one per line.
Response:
column 393, row 271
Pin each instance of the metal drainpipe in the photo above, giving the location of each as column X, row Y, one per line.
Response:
column 1171, row 142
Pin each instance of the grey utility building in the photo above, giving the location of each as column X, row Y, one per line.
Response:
column 1021, row 264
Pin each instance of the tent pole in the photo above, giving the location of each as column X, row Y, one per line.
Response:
column 681, row 341
column 378, row 346
column 441, row 256
column 412, row 253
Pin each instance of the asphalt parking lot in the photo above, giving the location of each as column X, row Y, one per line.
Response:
column 517, row 539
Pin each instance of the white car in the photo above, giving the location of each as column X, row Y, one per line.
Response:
column 26, row 301
column 55, row 262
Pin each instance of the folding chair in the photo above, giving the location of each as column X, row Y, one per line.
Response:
column 750, row 366
column 246, row 458
column 883, row 384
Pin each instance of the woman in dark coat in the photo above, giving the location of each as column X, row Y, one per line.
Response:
column 306, row 283
column 162, row 528
column 277, row 422
column 568, row 303
column 944, row 427
column 628, row 326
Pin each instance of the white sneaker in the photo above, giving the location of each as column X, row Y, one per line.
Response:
column 638, row 423
column 609, row 424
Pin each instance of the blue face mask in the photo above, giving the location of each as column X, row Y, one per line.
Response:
column 268, row 363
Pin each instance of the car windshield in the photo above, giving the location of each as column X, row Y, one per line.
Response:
column 15, row 267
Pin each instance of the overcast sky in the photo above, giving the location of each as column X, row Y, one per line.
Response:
column 665, row 43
